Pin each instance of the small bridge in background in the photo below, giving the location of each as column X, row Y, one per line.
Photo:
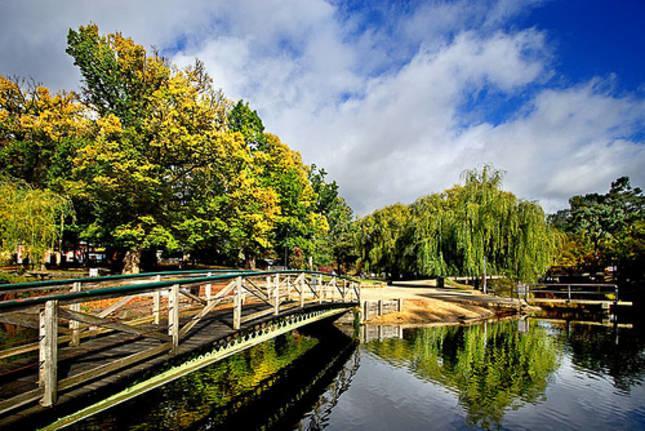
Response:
column 87, row 336
column 573, row 295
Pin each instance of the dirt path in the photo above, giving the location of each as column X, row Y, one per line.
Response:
column 424, row 304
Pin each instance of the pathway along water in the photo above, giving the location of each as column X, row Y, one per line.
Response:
column 533, row 374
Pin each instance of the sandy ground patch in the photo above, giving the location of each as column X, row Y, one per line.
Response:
column 431, row 305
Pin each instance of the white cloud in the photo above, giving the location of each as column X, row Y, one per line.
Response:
column 386, row 109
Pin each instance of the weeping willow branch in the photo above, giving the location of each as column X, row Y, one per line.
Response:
column 31, row 219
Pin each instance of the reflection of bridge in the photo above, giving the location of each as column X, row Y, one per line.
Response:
column 304, row 392
column 101, row 333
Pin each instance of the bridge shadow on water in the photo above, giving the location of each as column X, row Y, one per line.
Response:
column 288, row 382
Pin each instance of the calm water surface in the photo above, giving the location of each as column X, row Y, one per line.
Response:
column 505, row 375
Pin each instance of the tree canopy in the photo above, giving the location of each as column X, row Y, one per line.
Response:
column 468, row 229
column 153, row 157
column 607, row 229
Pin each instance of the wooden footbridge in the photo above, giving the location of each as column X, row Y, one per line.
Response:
column 87, row 344
column 574, row 295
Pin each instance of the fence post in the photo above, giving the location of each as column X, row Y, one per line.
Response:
column 276, row 295
column 321, row 289
column 173, row 315
column 208, row 289
column 569, row 292
column 75, row 325
column 156, row 303
column 380, row 307
column 615, row 296
column 302, row 289
column 399, row 305
column 48, row 353
column 237, row 308
column 366, row 311
column 268, row 286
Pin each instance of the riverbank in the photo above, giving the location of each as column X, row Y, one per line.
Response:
column 424, row 303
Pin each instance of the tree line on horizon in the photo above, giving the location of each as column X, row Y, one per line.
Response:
column 477, row 228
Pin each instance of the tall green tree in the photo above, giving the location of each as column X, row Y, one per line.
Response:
column 470, row 229
column 247, row 121
column 337, row 246
column 608, row 228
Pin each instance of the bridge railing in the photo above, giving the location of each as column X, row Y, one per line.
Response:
column 38, row 288
column 570, row 291
column 161, row 311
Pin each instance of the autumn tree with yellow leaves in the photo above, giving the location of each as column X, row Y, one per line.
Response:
column 153, row 157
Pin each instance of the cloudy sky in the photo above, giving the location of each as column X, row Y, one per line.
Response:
column 396, row 99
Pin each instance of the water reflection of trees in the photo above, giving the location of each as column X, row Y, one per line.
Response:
column 492, row 367
column 271, row 386
column 619, row 353
column 193, row 397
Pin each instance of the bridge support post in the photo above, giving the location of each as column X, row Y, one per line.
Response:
column 48, row 353
column 301, row 286
column 75, row 325
column 399, row 305
column 173, row 315
column 208, row 289
column 237, row 308
column 366, row 311
column 321, row 289
column 156, row 303
column 276, row 295
column 380, row 307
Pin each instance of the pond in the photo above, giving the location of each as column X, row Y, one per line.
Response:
column 526, row 374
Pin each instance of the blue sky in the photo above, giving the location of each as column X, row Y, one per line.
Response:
column 396, row 99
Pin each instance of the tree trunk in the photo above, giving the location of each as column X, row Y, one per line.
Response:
column 249, row 261
column 132, row 262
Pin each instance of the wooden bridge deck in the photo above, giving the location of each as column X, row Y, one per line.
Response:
column 124, row 358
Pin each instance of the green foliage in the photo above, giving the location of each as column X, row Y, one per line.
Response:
column 30, row 218
column 154, row 158
column 465, row 230
column 492, row 367
column 337, row 247
column 607, row 229
column 246, row 121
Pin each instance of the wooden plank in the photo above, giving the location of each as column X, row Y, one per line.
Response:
column 237, row 308
column 115, row 365
column 195, row 298
column 26, row 320
column 112, row 308
column 48, row 372
column 276, row 298
column 156, row 303
column 111, row 324
column 173, row 316
column 74, row 325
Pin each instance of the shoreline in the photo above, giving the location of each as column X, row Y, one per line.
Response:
column 440, row 306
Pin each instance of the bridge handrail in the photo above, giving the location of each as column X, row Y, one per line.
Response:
column 28, row 285
column 569, row 290
column 103, row 292
column 611, row 285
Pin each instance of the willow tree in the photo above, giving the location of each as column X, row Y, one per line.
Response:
column 31, row 219
column 495, row 232
column 379, row 237
column 471, row 229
